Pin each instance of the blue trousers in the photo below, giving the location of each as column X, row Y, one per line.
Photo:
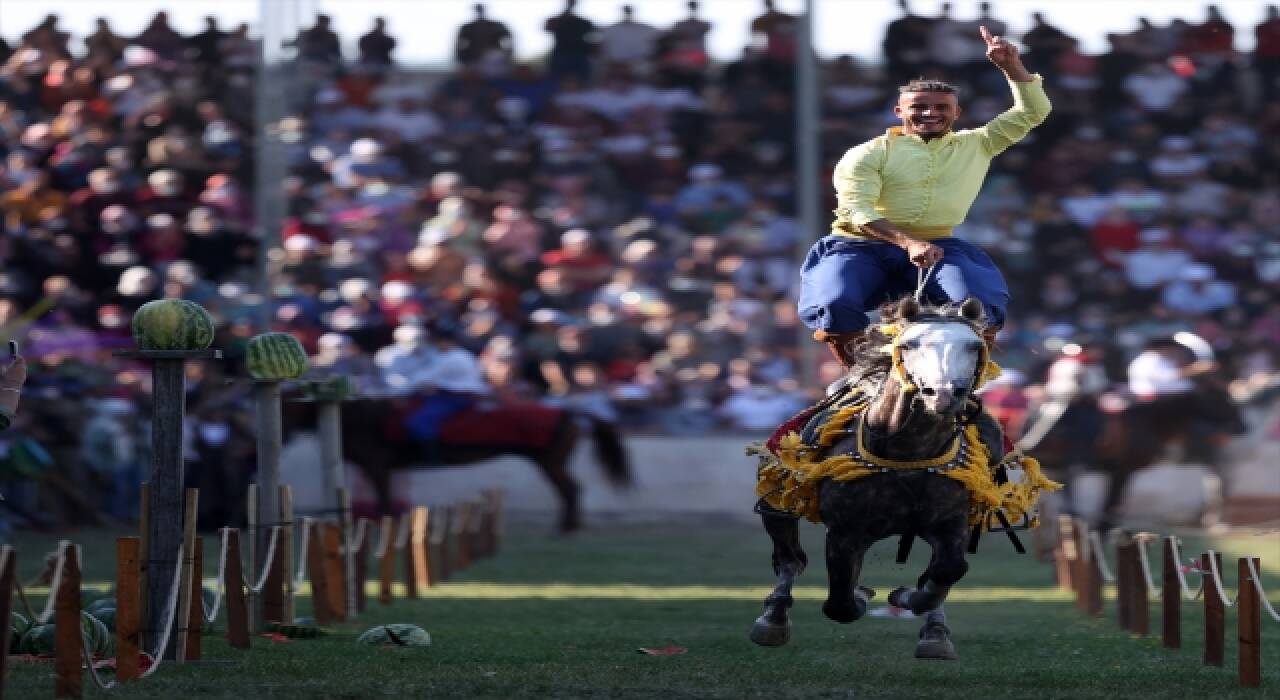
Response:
column 843, row 278
column 436, row 408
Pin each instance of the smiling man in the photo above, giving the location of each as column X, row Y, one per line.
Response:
column 900, row 195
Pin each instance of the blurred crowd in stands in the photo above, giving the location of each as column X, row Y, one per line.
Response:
column 612, row 227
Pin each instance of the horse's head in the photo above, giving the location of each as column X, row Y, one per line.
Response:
column 940, row 353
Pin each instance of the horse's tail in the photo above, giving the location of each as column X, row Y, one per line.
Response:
column 610, row 451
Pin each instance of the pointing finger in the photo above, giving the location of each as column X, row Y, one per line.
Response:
column 986, row 35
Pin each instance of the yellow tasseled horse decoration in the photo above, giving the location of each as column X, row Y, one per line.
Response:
column 788, row 477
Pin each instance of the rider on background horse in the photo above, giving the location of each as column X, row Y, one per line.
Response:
column 899, row 197
column 430, row 364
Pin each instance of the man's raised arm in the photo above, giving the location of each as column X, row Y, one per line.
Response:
column 1030, row 103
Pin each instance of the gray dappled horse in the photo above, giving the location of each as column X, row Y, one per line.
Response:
column 942, row 352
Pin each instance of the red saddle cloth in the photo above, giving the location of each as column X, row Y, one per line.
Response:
column 528, row 425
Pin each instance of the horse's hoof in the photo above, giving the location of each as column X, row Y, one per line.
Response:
column 935, row 644
column 898, row 596
column 769, row 634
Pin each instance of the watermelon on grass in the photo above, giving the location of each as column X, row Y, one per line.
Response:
column 275, row 356
column 18, row 626
column 172, row 324
column 38, row 640
column 399, row 635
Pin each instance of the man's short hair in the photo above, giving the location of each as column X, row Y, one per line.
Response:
column 929, row 85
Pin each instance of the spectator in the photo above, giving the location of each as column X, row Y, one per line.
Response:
column 574, row 40
column 376, row 46
column 482, row 38
column 1155, row 261
column 629, row 42
column 319, row 43
column 1196, row 292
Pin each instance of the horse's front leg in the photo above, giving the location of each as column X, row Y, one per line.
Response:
column 947, row 566
column 846, row 600
column 773, row 627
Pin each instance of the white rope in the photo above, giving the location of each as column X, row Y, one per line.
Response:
column 266, row 567
column 1094, row 541
column 357, row 540
column 221, row 585
column 301, row 576
column 922, row 278
column 158, row 655
column 87, row 656
column 1262, row 594
column 44, row 617
column 1141, row 539
column 1187, row 593
column 1217, row 579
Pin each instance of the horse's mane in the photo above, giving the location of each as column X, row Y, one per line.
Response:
column 870, row 359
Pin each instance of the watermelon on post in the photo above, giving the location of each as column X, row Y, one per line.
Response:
column 275, row 356
column 172, row 324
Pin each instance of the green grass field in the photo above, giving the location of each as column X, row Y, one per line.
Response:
column 564, row 618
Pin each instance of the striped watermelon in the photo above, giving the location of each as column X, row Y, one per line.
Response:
column 172, row 324
column 400, row 635
column 274, row 356
column 18, row 626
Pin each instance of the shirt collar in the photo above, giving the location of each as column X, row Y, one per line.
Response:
column 897, row 131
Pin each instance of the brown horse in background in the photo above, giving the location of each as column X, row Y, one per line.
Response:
column 372, row 439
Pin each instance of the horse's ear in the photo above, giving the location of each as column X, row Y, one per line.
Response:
column 908, row 309
column 972, row 310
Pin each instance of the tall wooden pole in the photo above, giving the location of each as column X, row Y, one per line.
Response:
column 8, row 573
column 164, row 507
column 1214, row 613
column 1170, row 599
column 267, row 395
column 68, row 682
column 1249, row 619
column 329, row 430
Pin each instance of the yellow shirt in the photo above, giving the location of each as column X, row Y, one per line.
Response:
column 926, row 187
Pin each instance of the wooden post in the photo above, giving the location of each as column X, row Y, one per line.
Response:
column 348, row 553
column 418, row 548
column 288, row 608
column 430, row 552
column 195, row 620
column 8, row 574
column 1139, row 602
column 183, row 613
column 1093, row 582
column 237, row 607
column 1214, row 614
column 405, row 524
column 1250, row 625
column 1170, row 598
column 267, row 395
column 128, row 606
column 329, row 431
column 334, row 565
column 386, row 560
column 1124, row 586
column 66, row 619
column 440, row 535
column 1065, row 553
column 251, row 515
column 361, row 552
column 475, row 528
column 144, row 526
column 164, row 505
column 458, row 543
column 320, row 601
column 499, row 498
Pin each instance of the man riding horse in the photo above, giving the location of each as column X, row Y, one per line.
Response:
column 902, row 447
column 899, row 197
